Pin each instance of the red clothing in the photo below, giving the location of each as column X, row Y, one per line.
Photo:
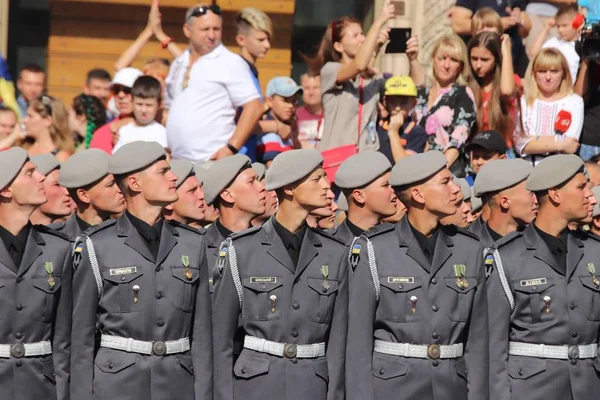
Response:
column 512, row 109
column 103, row 138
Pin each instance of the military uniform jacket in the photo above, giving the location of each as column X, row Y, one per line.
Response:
column 573, row 318
column 33, row 309
column 213, row 239
column 481, row 231
column 443, row 314
column 69, row 228
column 305, row 313
column 343, row 233
column 170, row 307
column 476, row 225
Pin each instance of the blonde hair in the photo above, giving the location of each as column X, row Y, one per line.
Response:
column 547, row 59
column 48, row 106
column 452, row 45
column 251, row 17
column 486, row 18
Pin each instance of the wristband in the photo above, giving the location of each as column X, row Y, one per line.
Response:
column 167, row 42
column 232, row 148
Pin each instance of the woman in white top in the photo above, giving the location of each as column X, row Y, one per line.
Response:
column 551, row 114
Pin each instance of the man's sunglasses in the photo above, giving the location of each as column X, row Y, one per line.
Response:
column 116, row 89
column 202, row 10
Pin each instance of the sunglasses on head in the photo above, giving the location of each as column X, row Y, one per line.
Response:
column 116, row 89
column 47, row 102
column 202, row 10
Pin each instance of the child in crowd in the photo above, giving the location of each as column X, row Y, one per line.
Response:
column 486, row 146
column 486, row 20
column 399, row 136
column 147, row 98
column 567, row 36
column 282, row 97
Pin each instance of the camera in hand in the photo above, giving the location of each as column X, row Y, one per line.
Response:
column 588, row 45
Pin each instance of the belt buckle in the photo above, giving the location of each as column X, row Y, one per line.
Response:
column 573, row 352
column 159, row 348
column 17, row 350
column 433, row 351
column 290, row 351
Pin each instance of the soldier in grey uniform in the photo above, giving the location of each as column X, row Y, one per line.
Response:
column 35, row 289
column 544, row 295
column 272, row 202
column 144, row 284
column 190, row 208
column 417, row 325
column 283, row 286
column 595, row 224
column 93, row 189
column 512, row 206
column 210, row 212
column 463, row 207
column 364, row 180
column 59, row 206
column 233, row 187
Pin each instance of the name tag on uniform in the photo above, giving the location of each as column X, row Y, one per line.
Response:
column 401, row 279
column 534, row 282
column 263, row 279
column 123, row 271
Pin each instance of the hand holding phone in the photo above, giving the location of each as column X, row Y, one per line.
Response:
column 398, row 40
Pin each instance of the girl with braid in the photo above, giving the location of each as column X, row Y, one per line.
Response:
column 87, row 113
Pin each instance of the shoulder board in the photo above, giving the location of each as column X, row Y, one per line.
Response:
column 57, row 226
column 109, row 222
column 50, row 231
column 508, row 238
column 245, row 232
column 379, row 229
column 329, row 235
column 465, row 232
column 176, row 224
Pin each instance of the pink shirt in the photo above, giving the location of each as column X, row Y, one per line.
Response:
column 103, row 138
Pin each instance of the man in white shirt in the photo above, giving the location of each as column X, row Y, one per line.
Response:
column 201, row 122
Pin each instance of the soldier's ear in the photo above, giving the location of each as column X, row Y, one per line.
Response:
column 358, row 196
column 133, row 183
column 5, row 194
column 416, row 195
column 504, row 202
column 83, row 196
column 554, row 196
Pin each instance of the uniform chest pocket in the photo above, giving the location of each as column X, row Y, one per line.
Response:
column 461, row 294
column 322, row 299
column 124, row 291
column 44, row 302
column 531, row 296
column 262, row 298
column 184, row 287
column 399, row 300
column 592, row 297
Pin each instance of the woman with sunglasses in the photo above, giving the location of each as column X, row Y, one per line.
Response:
column 47, row 129
column 349, row 85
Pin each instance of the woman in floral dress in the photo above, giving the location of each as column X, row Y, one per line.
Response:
column 446, row 108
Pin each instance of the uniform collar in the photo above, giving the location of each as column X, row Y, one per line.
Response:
column 356, row 231
column 148, row 232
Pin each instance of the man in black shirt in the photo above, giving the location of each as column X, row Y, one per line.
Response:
column 588, row 87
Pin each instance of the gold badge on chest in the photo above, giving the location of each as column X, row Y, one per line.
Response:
column 460, row 273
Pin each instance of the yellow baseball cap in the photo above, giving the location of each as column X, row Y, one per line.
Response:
column 400, row 86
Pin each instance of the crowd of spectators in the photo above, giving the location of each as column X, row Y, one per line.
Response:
column 495, row 88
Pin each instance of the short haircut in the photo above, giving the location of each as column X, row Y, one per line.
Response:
column 486, row 18
column 99, row 74
column 254, row 18
column 147, row 87
column 35, row 68
column 567, row 9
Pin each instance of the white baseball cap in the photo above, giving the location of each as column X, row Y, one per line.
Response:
column 126, row 77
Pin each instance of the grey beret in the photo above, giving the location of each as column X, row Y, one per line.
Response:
column 416, row 168
column 83, row 168
column 501, row 174
column 222, row 173
column 260, row 170
column 553, row 171
column 464, row 187
column 201, row 171
column 135, row 156
column 476, row 203
column 596, row 191
column 291, row 166
column 45, row 163
column 182, row 169
column 11, row 162
column 343, row 202
column 361, row 169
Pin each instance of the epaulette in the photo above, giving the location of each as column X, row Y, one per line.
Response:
column 328, row 235
column 379, row 229
column 57, row 226
column 176, row 224
column 591, row 235
column 97, row 228
column 508, row 238
column 456, row 229
column 50, row 231
column 245, row 232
